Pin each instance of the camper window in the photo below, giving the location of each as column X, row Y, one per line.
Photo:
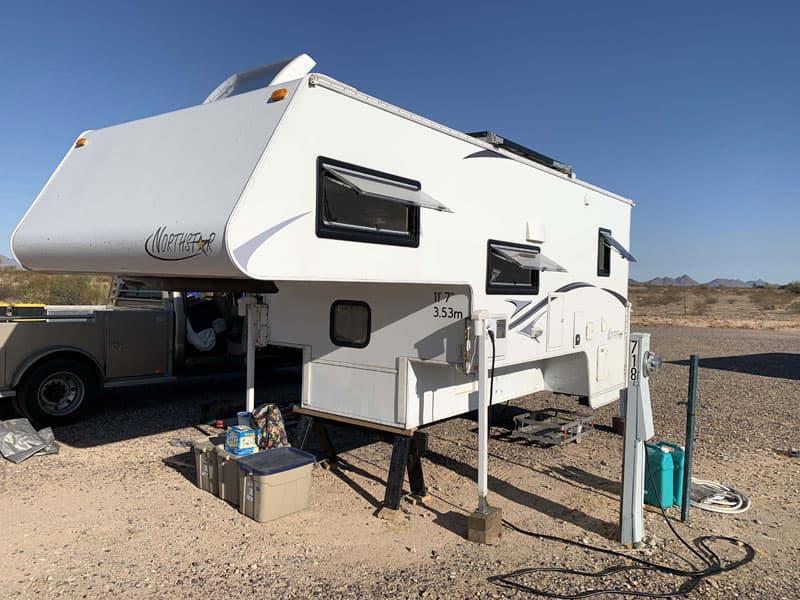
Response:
column 505, row 275
column 605, row 243
column 347, row 211
column 603, row 254
column 350, row 323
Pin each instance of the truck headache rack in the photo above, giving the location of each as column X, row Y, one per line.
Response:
column 492, row 138
column 552, row 426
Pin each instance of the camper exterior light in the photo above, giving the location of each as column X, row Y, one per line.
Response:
column 80, row 143
column 278, row 94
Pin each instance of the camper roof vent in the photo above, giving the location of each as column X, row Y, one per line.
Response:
column 261, row 77
column 495, row 140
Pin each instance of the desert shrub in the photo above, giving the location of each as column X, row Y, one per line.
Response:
column 659, row 297
column 702, row 303
column 709, row 296
column 767, row 298
column 793, row 287
column 6, row 290
column 58, row 289
column 672, row 294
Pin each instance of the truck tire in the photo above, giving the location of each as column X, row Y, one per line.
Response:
column 16, row 404
column 57, row 391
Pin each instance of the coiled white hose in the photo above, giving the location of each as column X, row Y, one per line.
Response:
column 718, row 497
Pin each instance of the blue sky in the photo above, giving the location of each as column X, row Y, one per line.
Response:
column 690, row 109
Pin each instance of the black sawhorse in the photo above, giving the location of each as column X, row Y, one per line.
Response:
column 408, row 446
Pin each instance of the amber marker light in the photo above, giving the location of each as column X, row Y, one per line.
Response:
column 80, row 143
column 278, row 94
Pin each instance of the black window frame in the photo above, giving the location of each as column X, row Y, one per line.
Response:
column 532, row 289
column 346, row 344
column 603, row 254
column 342, row 232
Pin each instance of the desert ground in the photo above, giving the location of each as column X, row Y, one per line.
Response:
column 117, row 512
column 772, row 307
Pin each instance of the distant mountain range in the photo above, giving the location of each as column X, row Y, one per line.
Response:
column 8, row 262
column 686, row 281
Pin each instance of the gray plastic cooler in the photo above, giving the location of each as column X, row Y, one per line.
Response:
column 206, row 465
column 274, row 483
column 228, row 474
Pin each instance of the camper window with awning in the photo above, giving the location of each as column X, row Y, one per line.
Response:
column 515, row 268
column 363, row 205
column 605, row 242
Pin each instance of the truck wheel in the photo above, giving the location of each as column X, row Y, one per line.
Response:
column 16, row 404
column 57, row 391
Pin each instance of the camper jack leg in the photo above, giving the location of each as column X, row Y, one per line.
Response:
column 397, row 471
column 327, row 446
column 407, row 450
column 301, row 433
column 406, row 455
column 304, row 427
column 416, row 478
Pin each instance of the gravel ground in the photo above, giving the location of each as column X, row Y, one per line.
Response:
column 116, row 512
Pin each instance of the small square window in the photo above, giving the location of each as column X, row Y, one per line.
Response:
column 350, row 323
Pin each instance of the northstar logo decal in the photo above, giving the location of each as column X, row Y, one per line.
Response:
column 163, row 245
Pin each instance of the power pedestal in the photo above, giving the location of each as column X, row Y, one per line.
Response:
column 638, row 429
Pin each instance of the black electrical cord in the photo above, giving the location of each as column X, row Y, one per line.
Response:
column 712, row 560
column 491, row 373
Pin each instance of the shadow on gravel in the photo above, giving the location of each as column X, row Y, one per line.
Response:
column 129, row 413
column 184, row 464
column 346, row 467
column 783, row 365
column 585, row 479
column 529, row 499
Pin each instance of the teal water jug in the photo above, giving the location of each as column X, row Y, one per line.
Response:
column 678, row 458
column 658, row 483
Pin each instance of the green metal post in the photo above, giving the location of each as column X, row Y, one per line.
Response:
column 694, row 365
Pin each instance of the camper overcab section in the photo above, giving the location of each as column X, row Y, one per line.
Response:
column 381, row 231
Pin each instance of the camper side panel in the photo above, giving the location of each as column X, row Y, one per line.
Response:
column 575, row 321
column 389, row 324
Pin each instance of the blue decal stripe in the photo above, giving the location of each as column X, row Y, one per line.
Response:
column 529, row 313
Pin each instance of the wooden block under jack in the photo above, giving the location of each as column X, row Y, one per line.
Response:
column 485, row 528
column 618, row 425
column 416, row 499
column 329, row 465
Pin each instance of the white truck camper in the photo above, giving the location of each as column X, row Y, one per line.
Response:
column 376, row 234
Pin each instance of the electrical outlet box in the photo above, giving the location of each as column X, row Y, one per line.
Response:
column 499, row 325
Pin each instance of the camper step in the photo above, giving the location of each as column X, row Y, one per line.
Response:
column 552, row 426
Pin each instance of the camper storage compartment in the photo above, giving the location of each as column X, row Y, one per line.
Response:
column 274, row 483
column 205, row 465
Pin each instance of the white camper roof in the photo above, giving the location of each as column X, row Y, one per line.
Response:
column 148, row 195
column 265, row 76
column 195, row 193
